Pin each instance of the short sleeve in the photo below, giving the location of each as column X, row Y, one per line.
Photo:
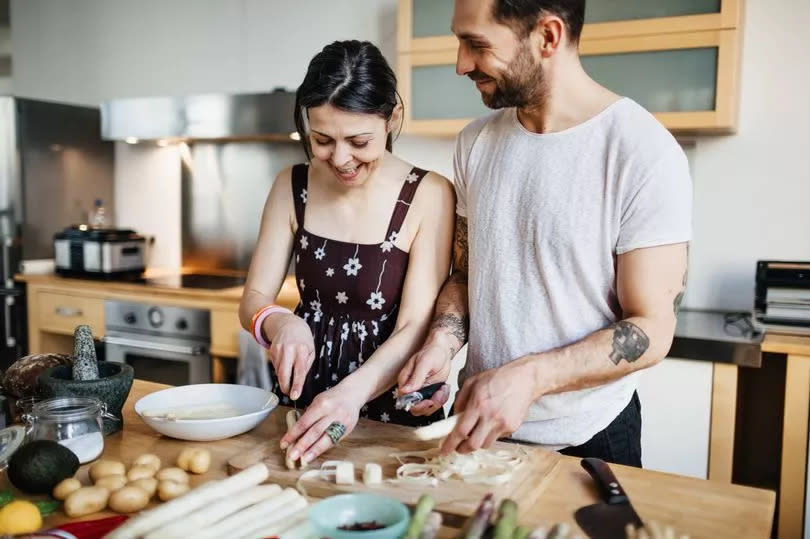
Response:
column 657, row 210
column 459, row 177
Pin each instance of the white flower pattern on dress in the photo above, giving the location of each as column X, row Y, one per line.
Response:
column 304, row 242
column 352, row 366
column 301, row 284
column 342, row 297
column 376, row 301
column 330, row 272
column 375, row 330
column 351, row 266
column 361, row 330
column 386, row 246
column 315, row 305
column 303, row 195
column 393, row 237
column 319, row 253
column 385, row 418
column 344, row 334
column 412, row 177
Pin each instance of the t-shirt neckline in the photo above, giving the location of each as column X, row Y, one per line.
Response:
column 570, row 130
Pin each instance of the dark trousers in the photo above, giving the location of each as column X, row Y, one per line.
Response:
column 619, row 443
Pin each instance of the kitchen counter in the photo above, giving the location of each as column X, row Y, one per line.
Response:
column 707, row 336
column 703, row 509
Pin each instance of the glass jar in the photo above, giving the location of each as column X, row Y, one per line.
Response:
column 74, row 422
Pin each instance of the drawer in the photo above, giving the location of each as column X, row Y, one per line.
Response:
column 225, row 328
column 61, row 313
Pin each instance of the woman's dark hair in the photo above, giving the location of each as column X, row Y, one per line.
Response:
column 352, row 76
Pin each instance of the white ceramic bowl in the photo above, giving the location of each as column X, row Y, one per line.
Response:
column 254, row 403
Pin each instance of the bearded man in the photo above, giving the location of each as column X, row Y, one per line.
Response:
column 573, row 222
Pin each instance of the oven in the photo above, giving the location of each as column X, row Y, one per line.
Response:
column 165, row 344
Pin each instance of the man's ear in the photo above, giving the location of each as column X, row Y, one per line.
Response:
column 548, row 35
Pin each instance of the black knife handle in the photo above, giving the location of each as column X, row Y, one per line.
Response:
column 609, row 487
column 429, row 391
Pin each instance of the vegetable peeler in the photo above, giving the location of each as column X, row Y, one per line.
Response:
column 405, row 402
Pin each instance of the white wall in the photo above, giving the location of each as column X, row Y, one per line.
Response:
column 751, row 190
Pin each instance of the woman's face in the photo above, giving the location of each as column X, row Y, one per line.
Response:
column 351, row 144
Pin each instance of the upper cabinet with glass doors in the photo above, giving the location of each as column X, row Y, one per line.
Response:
column 679, row 59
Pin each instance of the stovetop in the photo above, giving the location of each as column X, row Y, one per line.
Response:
column 195, row 280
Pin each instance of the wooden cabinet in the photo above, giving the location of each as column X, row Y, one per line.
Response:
column 680, row 60
column 61, row 313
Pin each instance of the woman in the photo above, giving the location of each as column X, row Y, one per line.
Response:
column 370, row 235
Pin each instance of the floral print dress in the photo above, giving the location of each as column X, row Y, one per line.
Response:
column 350, row 294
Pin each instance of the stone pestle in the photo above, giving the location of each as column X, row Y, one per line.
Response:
column 85, row 364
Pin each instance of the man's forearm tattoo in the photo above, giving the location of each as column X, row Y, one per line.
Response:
column 679, row 297
column 629, row 342
column 457, row 326
column 462, row 246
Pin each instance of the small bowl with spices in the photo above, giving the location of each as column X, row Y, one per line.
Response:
column 359, row 516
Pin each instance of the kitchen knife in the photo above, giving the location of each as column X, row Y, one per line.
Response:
column 607, row 519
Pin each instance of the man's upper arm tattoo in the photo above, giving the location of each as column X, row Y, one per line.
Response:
column 461, row 247
column 629, row 342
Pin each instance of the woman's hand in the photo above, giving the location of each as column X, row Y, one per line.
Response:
column 292, row 351
column 308, row 438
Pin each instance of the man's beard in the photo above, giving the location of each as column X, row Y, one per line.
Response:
column 522, row 83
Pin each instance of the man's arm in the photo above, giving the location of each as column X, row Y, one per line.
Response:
column 650, row 283
column 448, row 331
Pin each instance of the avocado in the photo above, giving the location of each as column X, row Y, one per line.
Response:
column 38, row 466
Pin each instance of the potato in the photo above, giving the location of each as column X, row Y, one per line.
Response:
column 148, row 460
column 106, row 467
column 194, row 460
column 140, row 472
column 148, row 485
column 65, row 487
column 85, row 501
column 128, row 499
column 172, row 474
column 168, row 490
column 112, row 482
column 184, row 458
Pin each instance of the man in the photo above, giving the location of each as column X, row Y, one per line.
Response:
column 573, row 217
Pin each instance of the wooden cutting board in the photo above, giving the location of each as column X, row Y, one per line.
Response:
column 373, row 441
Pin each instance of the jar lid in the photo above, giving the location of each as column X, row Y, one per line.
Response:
column 11, row 439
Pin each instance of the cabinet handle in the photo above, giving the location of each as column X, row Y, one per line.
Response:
column 68, row 311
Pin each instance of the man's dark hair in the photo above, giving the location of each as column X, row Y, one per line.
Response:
column 522, row 15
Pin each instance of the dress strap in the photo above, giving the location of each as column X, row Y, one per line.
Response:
column 300, row 176
column 403, row 204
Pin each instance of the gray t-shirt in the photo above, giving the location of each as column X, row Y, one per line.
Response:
column 547, row 214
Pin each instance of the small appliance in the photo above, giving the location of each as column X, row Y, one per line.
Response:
column 83, row 251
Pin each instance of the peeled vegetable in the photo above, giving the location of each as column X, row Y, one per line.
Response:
column 169, row 490
column 148, row 485
column 372, row 474
column 147, row 460
column 128, row 500
column 172, row 474
column 65, row 487
column 106, row 467
column 38, row 466
column 111, row 482
column 140, row 472
column 194, row 460
column 86, row 501
column 291, row 418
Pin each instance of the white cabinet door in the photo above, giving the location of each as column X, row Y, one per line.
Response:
column 676, row 400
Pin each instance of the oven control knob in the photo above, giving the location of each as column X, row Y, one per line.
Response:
column 129, row 318
column 182, row 324
column 155, row 317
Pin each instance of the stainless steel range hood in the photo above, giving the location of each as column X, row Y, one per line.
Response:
column 265, row 116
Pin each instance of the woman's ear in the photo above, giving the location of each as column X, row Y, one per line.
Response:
column 395, row 120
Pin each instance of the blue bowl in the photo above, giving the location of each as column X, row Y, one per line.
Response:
column 327, row 516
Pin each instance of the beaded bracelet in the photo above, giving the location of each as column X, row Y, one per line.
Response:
column 258, row 320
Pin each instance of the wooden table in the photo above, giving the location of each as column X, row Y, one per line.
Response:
column 701, row 508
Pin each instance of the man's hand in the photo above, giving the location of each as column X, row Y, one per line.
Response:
column 292, row 351
column 495, row 403
column 430, row 365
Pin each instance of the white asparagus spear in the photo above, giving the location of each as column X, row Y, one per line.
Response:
column 292, row 418
column 205, row 516
column 279, row 517
column 251, row 518
column 437, row 430
column 282, row 527
column 199, row 497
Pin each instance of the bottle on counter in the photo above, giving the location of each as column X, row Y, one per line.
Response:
column 98, row 217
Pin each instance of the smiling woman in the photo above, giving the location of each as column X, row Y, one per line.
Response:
column 370, row 235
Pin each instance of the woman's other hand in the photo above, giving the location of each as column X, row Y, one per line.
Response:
column 292, row 351
column 308, row 438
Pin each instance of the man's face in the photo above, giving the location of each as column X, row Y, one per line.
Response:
column 500, row 62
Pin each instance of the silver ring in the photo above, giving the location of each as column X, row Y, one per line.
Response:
column 335, row 431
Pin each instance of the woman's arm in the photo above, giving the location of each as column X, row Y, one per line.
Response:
column 292, row 350
column 428, row 267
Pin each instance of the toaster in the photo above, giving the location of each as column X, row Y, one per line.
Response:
column 83, row 251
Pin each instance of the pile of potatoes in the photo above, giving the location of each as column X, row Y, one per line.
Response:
column 130, row 491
